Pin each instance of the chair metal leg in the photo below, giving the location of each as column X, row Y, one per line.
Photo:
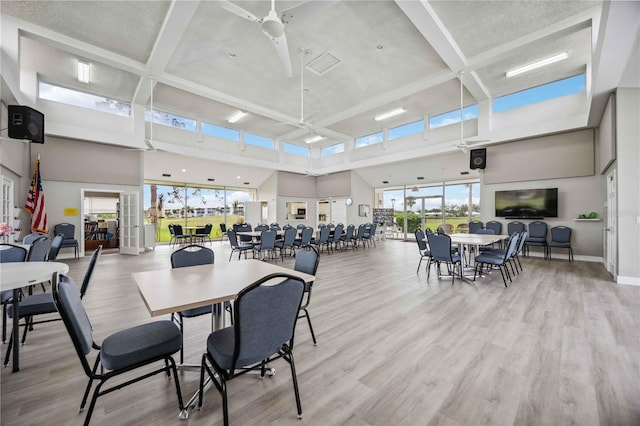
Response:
column 289, row 358
column 313, row 335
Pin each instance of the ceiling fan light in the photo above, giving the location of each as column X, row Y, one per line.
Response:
column 272, row 26
column 537, row 64
column 83, row 72
column 389, row 114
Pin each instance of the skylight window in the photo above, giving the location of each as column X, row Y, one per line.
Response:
column 406, row 130
column 220, row 132
column 556, row 89
column 296, row 149
column 369, row 140
column 255, row 140
column 453, row 117
column 83, row 100
column 170, row 120
column 332, row 150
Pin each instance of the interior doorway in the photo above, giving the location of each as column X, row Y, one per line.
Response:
column 611, row 226
column 101, row 221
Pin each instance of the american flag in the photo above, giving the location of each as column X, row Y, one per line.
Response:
column 35, row 202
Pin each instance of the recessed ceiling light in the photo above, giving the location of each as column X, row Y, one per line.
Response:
column 184, row 170
column 166, row 175
column 537, row 64
column 238, row 177
column 236, row 116
column 389, row 114
column 83, row 71
column 313, row 139
column 210, row 179
column 385, row 181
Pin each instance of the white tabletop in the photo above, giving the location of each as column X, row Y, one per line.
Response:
column 19, row 274
column 171, row 290
column 476, row 239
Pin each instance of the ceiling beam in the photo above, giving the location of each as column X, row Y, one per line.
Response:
column 176, row 22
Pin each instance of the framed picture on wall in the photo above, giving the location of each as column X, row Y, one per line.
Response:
column 363, row 210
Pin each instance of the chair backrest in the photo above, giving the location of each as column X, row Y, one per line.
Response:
column 262, row 227
column 208, row 228
column 305, row 236
column 474, row 226
column 523, row 238
column 265, row 318
column 495, row 225
column 171, row 230
column 66, row 229
column 324, row 235
column 233, row 239
column 275, row 226
column 54, row 249
column 512, row 245
column 287, row 226
column 422, row 244
column 223, row 228
column 337, row 232
column 561, row 234
column 11, row 253
column 301, row 226
column 192, row 255
column 440, row 247
column 537, row 229
column 307, row 260
column 39, row 249
column 177, row 230
column 267, row 239
column 362, row 228
column 321, row 225
column 74, row 317
column 330, row 225
column 202, row 231
column 89, row 273
column 289, row 236
column 372, row 230
column 486, row 231
column 30, row 238
column 515, row 226
column 349, row 232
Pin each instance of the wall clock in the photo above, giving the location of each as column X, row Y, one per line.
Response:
column 349, row 201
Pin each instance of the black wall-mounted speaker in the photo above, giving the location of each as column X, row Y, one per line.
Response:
column 478, row 158
column 26, row 123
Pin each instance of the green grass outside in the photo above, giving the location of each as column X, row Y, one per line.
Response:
column 162, row 227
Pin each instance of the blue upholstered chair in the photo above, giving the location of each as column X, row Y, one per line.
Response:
column 498, row 259
column 307, row 261
column 9, row 253
column 561, row 238
column 121, row 352
column 440, row 248
column 239, row 247
column 537, row 237
column 68, row 231
column 423, row 249
column 474, row 226
column 264, row 325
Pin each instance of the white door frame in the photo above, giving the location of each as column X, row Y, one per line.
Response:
column 130, row 222
column 82, row 212
column 611, row 227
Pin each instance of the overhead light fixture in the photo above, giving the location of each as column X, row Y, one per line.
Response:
column 210, row 179
column 313, row 139
column 537, row 64
column 236, row 116
column 166, row 175
column 389, row 114
column 83, row 71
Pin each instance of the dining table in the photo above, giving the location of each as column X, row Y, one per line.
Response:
column 13, row 276
column 475, row 240
column 165, row 291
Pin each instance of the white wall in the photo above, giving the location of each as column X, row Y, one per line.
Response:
column 362, row 193
column 628, row 165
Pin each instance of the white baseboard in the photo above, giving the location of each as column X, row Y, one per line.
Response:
column 628, row 280
column 561, row 256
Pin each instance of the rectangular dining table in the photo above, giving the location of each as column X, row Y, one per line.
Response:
column 476, row 240
column 171, row 290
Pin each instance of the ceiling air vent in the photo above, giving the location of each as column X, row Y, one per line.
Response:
column 323, row 63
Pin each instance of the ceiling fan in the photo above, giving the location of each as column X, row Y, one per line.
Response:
column 465, row 144
column 272, row 27
column 301, row 122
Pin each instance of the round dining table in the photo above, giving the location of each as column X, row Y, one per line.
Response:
column 13, row 276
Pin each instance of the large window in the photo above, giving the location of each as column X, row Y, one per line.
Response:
column 190, row 205
column 369, row 140
column 170, row 120
column 453, row 117
column 261, row 141
column 406, row 130
column 545, row 92
column 84, row 100
column 332, row 150
column 296, row 149
column 220, row 132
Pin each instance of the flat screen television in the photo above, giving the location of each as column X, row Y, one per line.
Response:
column 527, row 203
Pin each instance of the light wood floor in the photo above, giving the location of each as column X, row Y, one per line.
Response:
column 560, row 346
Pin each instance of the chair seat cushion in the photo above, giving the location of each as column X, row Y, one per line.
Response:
column 559, row 245
column 533, row 240
column 6, row 295
column 36, row 304
column 492, row 260
column 69, row 243
column 140, row 344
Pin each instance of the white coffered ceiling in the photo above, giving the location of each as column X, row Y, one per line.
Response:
column 208, row 62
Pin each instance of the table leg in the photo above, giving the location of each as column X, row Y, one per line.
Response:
column 16, row 330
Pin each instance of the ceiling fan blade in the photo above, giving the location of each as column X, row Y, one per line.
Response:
column 238, row 11
column 280, row 44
